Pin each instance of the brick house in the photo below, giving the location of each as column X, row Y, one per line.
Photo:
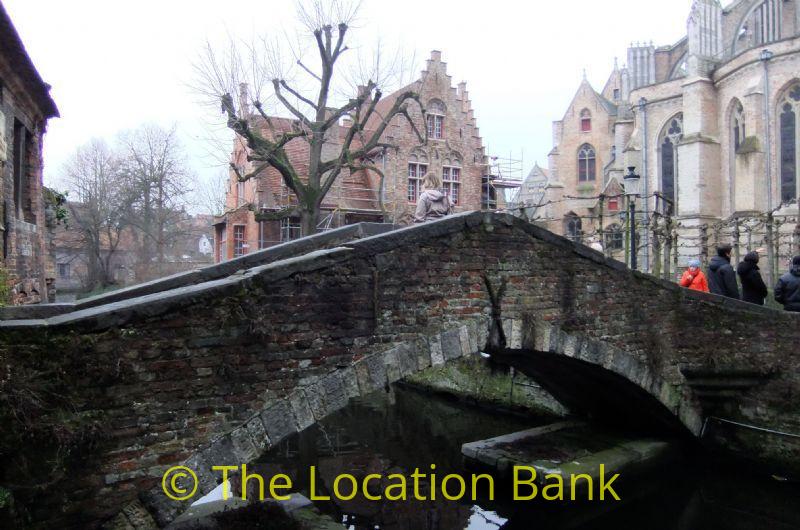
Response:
column 25, row 107
column 455, row 150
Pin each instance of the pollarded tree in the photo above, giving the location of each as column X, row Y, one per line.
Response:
column 317, row 100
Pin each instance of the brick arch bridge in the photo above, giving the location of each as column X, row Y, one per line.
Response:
column 213, row 368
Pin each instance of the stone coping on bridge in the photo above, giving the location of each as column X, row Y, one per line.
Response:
column 314, row 400
column 279, row 252
column 295, row 257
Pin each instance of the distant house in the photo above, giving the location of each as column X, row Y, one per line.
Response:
column 25, row 107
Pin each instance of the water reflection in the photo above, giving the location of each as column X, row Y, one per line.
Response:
column 399, row 431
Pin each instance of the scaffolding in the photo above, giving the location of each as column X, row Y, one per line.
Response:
column 503, row 177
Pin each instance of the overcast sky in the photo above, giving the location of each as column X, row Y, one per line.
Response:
column 115, row 64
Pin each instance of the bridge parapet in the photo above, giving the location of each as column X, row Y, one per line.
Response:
column 298, row 247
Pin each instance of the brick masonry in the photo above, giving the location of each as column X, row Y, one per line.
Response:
column 208, row 373
column 25, row 107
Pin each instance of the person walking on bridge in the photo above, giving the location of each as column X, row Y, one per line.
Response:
column 433, row 203
column 721, row 276
column 787, row 292
column 754, row 290
column 694, row 278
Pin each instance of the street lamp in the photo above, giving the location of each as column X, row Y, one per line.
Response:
column 632, row 181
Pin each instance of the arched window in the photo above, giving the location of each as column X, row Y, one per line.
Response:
column 614, row 237
column 668, row 143
column 738, row 129
column 573, row 228
column 586, row 163
column 586, row 120
column 435, row 112
column 789, row 145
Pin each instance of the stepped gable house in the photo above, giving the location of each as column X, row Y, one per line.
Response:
column 455, row 150
column 25, row 107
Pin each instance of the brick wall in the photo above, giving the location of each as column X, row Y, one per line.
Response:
column 22, row 125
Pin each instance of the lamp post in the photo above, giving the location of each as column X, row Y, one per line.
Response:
column 632, row 181
column 766, row 57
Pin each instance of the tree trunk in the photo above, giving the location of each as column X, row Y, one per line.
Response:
column 309, row 220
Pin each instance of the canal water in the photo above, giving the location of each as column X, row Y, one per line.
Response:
column 403, row 429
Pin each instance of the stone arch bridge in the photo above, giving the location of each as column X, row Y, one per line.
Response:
column 213, row 367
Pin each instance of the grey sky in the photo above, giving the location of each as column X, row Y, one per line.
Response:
column 115, row 64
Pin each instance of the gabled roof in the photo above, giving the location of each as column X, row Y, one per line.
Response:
column 609, row 107
column 538, row 169
column 611, row 189
column 11, row 47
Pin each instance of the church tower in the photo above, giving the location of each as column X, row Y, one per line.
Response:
column 704, row 30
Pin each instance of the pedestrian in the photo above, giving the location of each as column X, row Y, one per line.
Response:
column 721, row 276
column 754, row 290
column 787, row 292
column 694, row 278
column 433, row 203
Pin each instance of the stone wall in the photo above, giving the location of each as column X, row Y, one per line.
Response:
column 199, row 374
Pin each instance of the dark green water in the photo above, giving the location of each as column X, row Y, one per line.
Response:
column 399, row 431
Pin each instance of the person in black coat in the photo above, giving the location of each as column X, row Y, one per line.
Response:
column 754, row 290
column 721, row 276
column 787, row 292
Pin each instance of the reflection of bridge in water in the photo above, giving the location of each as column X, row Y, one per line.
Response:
column 214, row 367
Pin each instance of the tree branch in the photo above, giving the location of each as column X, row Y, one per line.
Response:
column 338, row 51
column 300, row 116
column 312, row 74
column 298, row 95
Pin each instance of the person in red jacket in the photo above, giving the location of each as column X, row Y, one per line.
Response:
column 694, row 278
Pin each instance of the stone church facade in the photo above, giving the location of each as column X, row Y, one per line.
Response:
column 710, row 123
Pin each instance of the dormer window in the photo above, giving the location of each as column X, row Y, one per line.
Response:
column 586, row 120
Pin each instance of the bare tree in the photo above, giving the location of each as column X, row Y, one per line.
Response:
column 158, row 180
column 93, row 175
column 210, row 194
column 316, row 96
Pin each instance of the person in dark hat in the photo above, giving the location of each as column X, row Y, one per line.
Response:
column 754, row 290
column 721, row 276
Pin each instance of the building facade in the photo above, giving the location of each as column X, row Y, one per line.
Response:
column 709, row 122
column 255, row 215
column 25, row 107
